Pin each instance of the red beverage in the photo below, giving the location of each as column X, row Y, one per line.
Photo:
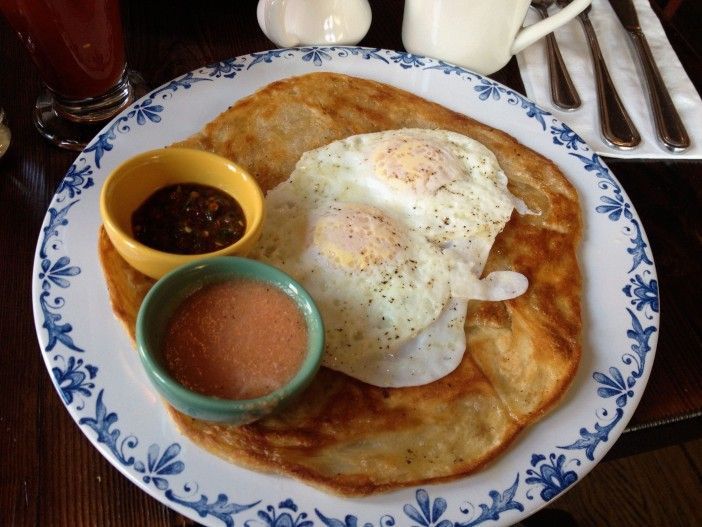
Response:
column 77, row 45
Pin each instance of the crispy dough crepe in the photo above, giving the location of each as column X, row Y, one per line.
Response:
column 352, row 438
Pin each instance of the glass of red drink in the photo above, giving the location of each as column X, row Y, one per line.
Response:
column 78, row 48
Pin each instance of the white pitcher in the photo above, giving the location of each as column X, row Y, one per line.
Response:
column 481, row 35
column 291, row 23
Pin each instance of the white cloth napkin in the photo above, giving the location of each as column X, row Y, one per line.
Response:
column 622, row 62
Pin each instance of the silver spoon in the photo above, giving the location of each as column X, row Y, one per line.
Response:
column 618, row 130
column 563, row 91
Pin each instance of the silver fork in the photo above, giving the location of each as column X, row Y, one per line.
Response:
column 563, row 91
column 617, row 128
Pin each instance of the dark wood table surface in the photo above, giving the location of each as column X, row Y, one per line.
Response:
column 49, row 472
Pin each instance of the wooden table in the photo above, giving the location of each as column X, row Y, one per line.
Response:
column 50, row 473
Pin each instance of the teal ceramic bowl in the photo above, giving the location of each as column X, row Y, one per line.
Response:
column 170, row 291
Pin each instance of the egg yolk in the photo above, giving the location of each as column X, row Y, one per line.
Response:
column 417, row 164
column 357, row 236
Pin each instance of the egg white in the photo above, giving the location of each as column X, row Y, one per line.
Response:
column 376, row 283
column 443, row 184
column 390, row 232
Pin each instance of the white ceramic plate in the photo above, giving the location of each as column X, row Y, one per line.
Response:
column 100, row 379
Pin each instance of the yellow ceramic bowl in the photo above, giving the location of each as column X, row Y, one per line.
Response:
column 132, row 182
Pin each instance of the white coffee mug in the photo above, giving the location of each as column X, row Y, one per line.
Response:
column 481, row 35
column 291, row 23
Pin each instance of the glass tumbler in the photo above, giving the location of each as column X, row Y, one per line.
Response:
column 78, row 48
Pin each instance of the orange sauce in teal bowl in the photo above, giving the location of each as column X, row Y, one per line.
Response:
column 238, row 339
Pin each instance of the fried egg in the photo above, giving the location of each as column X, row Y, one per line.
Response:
column 377, row 283
column 441, row 183
column 389, row 232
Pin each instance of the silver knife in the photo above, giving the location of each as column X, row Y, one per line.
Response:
column 669, row 127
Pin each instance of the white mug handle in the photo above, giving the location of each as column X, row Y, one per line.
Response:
column 271, row 19
column 534, row 32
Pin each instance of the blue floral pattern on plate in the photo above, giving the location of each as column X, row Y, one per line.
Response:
column 161, row 467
